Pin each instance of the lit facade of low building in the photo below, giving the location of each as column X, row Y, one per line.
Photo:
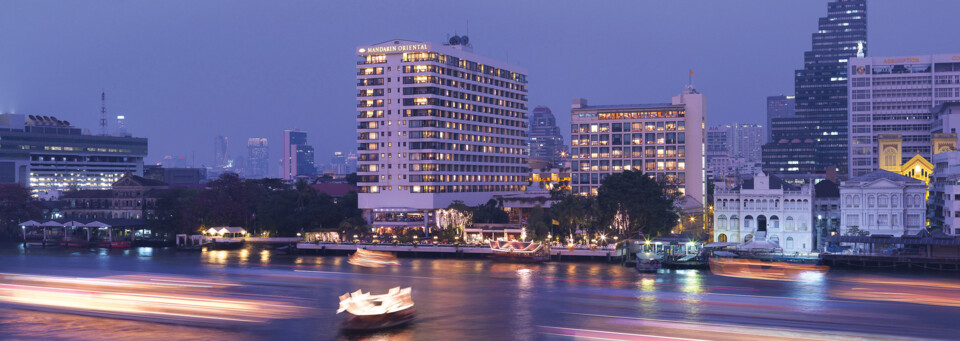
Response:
column 765, row 208
column 883, row 202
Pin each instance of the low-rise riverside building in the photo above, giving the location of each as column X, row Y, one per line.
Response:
column 131, row 197
column 765, row 208
column 882, row 202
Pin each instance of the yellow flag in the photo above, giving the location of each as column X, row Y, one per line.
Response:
column 555, row 222
column 691, row 72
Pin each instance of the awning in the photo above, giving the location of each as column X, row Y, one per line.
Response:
column 74, row 223
column 52, row 224
column 30, row 223
column 97, row 224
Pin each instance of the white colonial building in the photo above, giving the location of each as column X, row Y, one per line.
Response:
column 883, row 202
column 765, row 207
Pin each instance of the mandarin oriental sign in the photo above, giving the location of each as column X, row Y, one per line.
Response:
column 901, row 60
column 393, row 48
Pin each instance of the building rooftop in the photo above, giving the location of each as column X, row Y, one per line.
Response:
column 882, row 174
column 629, row 106
column 827, row 189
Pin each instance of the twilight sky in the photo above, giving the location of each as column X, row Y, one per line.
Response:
column 184, row 71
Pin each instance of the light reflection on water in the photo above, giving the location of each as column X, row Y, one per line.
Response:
column 456, row 299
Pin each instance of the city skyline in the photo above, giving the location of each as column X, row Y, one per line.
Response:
column 148, row 84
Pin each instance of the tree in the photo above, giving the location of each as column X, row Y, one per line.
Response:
column 574, row 212
column 491, row 213
column 538, row 224
column 635, row 202
column 177, row 212
column 16, row 206
column 454, row 220
column 352, row 179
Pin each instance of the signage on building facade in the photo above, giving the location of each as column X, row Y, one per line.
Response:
column 393, row 48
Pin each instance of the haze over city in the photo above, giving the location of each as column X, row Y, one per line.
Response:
column 182, row 72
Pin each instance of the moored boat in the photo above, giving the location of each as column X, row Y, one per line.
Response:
column 371, row 312
column 515, row 251
column 648, row 262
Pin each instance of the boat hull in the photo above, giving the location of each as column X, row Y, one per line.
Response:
column 377, row 322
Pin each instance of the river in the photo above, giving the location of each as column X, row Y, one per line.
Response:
column 471, row 299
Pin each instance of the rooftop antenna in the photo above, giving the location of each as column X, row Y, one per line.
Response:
column 103, row 112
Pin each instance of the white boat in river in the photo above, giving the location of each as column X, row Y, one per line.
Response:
column 368, row 312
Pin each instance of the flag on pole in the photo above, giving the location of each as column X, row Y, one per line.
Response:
column 691, row 72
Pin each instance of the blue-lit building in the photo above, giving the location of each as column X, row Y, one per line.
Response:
column 816, row 138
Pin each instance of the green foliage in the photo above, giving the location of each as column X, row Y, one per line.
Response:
column 491, row 213
column 15, row 207
column 856, row 231
column 258, row 205
column 538, row 224
column 573, row 212
column 643, row 204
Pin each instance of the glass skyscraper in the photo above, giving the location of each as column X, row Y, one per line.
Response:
column 546, row 141
column 816, row 137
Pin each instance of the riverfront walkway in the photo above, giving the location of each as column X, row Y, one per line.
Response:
column 459, row 251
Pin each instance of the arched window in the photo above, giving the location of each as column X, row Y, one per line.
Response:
column 894, row 201
column 734, row 222
column 748, row 221
column 848, row 201
column 722, row 238
column 789, row 244
column 871, row 201
column 721, row 222
column 774, row 239
column 774, row 222
column 856, row 200
column 776, row 203
column 790, row 226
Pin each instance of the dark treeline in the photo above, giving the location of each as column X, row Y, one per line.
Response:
column 263, row 205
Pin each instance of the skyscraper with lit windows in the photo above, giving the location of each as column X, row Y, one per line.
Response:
column 436, row 123
column 816, row 137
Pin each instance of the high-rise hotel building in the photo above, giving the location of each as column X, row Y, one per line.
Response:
column 436, row 123
column 665, row 140
column 895, row 97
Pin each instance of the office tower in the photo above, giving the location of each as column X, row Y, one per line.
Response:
column 779, row 106
column 815, row 139
column 350, row 164
column 893, row 97
column 338, row 163
column 665, row 140
column 258, row 158
column 436, row 123
column 45, row 153
column 220, row 151
column 298, row 158
column 733, row 149
column 546, row 141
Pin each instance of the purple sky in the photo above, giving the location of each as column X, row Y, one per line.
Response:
column 183, row 71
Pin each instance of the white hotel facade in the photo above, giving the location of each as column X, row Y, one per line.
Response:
column 896, row 95
column 436, row 123
column 665, row 140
